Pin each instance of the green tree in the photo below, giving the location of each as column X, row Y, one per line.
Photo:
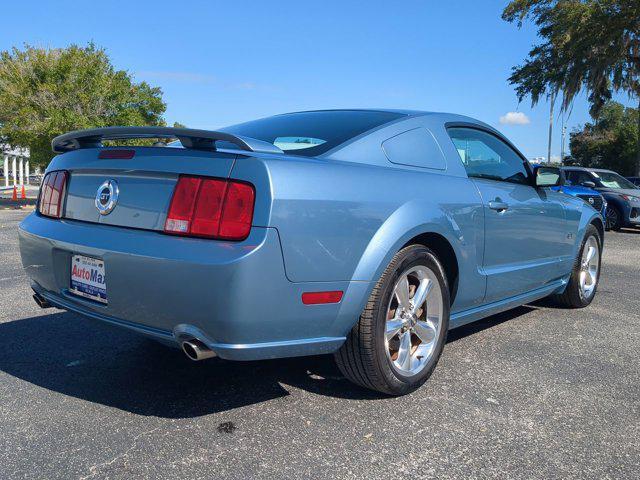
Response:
column 609, row 142
column 591, row 45
column 47, row 92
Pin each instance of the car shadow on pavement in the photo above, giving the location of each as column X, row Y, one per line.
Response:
column 66, row 353
column 82, row 358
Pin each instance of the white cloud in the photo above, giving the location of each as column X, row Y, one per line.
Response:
column 514, row 118
column 243, row 86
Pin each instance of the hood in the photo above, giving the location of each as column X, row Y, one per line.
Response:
column 578, row 190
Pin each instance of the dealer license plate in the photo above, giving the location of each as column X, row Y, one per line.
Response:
column 88, row 279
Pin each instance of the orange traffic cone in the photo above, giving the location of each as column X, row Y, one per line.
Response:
column 23, row 194
column 15, row 193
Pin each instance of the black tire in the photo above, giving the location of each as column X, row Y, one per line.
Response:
column 613, row 218
column 573, row 297
column 363, row 358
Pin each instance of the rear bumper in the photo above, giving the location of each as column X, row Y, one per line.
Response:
column 235, row 297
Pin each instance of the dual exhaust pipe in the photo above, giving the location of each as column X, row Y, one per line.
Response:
column 41, row 301
column 197, row 350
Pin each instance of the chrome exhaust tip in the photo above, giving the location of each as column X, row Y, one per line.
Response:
column 196, row 350
column 41, row 301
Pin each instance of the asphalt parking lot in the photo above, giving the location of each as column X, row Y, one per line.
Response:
column 538, row 392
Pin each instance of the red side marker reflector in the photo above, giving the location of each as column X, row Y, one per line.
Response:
column 316, row 298
column 116, row 154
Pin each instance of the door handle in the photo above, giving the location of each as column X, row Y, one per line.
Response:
column 498, row 206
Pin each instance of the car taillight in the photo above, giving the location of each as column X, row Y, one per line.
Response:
column 52, row 194
column 211, row 208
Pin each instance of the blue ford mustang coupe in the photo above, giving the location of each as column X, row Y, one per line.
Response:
column 363, row 233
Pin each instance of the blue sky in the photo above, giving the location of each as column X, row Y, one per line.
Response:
column 223, row 62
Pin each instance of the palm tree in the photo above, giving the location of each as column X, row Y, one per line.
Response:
column 591, row 45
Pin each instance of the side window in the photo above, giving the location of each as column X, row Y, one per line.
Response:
column 584, row 177
column 570, row 176
column 577, row 177
column 486, row 156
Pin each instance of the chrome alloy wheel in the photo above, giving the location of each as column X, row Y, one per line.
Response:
column 414, row 318
column 589, row 267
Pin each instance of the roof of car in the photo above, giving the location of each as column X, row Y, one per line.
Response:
column 406, row 112
column 390, row 110
column 445, row 117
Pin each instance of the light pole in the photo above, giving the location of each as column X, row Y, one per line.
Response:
column 553, row 100
column 564, row 133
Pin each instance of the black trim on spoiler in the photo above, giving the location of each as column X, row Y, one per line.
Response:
column 189, row 138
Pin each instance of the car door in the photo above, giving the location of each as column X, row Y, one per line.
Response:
column 524, row 226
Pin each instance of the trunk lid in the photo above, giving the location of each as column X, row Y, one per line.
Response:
column 145, row 182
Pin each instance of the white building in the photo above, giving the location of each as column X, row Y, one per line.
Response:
column 537, row 160
column 15, row 166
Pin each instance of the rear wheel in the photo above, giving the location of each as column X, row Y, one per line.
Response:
column 398, row 340
column 585, row 275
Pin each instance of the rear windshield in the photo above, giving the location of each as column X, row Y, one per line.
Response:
column 312, row 133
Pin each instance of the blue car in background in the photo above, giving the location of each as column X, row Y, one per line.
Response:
column 589, row 195
column 593, row 198
column 622, row 196
column 367, row 234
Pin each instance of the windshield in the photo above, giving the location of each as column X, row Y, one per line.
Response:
column 613, row 180
column 312, row 133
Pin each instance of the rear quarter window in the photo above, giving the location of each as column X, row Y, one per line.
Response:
column 416, row 148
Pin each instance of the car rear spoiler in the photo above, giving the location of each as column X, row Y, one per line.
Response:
column 188, row 137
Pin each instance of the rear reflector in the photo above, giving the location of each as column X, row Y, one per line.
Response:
column 316, row 298
column 211, row 208
column 116, row 154
column 52, row 194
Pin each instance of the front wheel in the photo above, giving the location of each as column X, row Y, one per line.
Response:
column 585, row 275
column 398, row 340
column 613, row 218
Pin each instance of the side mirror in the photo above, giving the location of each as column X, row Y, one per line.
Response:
column 548, row 177
column 588, row 184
